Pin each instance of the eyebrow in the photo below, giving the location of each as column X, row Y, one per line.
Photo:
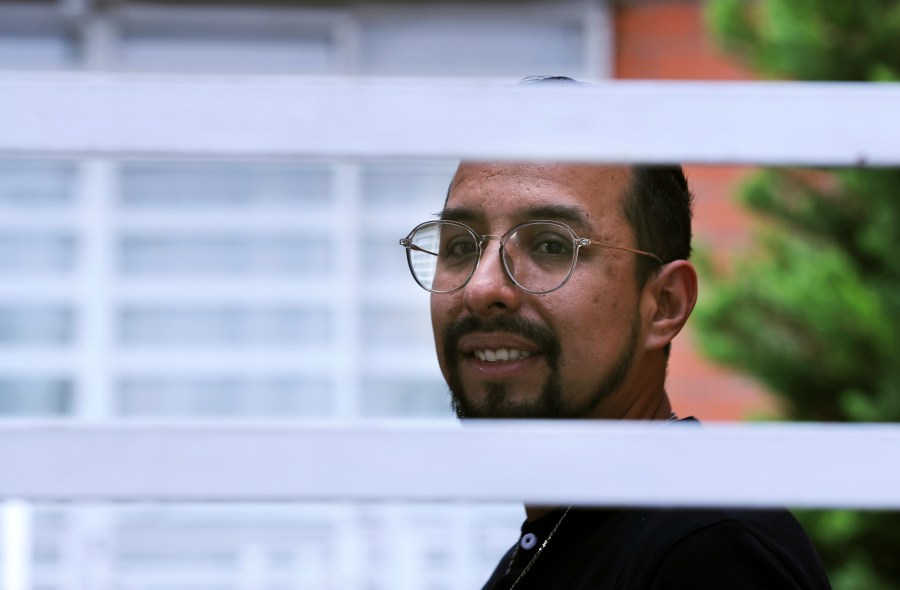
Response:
column 568, row 213
column 461, row 214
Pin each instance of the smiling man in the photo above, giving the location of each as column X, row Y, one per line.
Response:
column 528, row 335
column 556, row 290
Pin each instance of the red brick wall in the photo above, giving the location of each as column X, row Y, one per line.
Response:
column 667, row 40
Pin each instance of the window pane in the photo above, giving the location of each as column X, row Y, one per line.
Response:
column 400, row 196
column 284, row 546
column 423, row 185
column 383, row 259
column 224, row 254
column 401, row 327
column 33, row 37
column 494, row 43
column 34, row 51
column 30, row 184
column 155, row 185
column 35, row 397
column 36, row 253
column 398, row 397
column 34, row 325
column 224, row 396
column 225, row 326
column 187, row 40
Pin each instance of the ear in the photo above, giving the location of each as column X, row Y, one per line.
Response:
column 669, row 299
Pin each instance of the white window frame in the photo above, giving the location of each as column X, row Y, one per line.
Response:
column 97, row 287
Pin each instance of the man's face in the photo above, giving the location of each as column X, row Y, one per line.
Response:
column 579, row 342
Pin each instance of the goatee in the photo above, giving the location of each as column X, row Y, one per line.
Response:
column 550, row 403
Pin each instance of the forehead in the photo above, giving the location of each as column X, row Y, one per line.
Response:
column 511, row 191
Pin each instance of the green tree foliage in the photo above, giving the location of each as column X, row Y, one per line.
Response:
column 813, row 310
column 853, row 40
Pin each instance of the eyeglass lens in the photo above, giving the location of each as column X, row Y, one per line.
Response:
column 538, row 256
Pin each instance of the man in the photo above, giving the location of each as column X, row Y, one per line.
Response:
column 571, row 315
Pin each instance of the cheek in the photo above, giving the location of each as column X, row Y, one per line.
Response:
column 615, row 292
column 438, row 315
column 443, row 312
column 593, row 320
column 610, row 302
column 438, row 325
column 443, row 308
column 580, row 320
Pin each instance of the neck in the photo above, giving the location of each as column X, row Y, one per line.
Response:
column 662, row 412
column 532, row 513
column 626, row 405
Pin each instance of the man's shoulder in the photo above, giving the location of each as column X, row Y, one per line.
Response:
column 666, row 525
column 709, row 547
column 699, row 548
column 649, row 532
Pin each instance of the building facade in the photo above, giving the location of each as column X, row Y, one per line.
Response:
column 190, row 289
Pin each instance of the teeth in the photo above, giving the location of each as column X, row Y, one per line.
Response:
column 502, row 354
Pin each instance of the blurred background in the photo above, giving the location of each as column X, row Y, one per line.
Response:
column 234, row 290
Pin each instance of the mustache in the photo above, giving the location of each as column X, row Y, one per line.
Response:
column 538, row 333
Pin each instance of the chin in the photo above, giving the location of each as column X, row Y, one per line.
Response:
column 496, row 405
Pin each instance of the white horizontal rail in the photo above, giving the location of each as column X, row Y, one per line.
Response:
column 540, row 462
column 653, row 122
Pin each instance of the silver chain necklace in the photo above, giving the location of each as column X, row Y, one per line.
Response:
column 538, row 553
column 672, row 418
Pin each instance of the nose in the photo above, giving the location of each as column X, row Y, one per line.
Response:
column 490, row 290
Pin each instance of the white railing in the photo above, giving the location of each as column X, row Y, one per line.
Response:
column 121, row 116
column 699, row 122
column 603, row 463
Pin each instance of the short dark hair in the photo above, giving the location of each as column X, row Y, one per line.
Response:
column 544, row 79
column 658, row 205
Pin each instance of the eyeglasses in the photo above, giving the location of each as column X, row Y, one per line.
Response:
column 538, row 256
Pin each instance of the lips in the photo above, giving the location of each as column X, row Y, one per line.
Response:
column 502, row 345
column 494, row 347
column 501, row 354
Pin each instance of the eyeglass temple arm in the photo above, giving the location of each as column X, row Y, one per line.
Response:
column 625, row 249
column 407, row 243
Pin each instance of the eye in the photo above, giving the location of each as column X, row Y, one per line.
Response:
column 458, row 246
column 551, row 244
column 461, row 246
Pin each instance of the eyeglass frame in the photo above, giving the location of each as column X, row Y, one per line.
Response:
column 482, row 239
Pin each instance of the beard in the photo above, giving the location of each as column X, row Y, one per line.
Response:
column 550, row 403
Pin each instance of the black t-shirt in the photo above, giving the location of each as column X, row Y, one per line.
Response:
column 633, row 549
